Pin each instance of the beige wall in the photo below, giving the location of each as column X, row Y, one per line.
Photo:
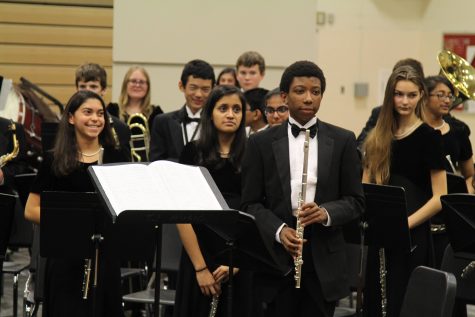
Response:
column 361, row 44
column 164, row 35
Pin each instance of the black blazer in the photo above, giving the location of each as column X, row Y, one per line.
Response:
column 266, row 195
column 166, row 139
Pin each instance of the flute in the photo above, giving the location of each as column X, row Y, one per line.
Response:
column 298, row 261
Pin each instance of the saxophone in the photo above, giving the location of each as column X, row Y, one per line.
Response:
column 298, row 261
column 4, row 159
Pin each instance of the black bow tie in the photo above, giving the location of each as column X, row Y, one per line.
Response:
column 188, row 119
column 296, row 130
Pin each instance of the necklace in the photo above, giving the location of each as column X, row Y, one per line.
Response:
column 408, row 131
column 440, row 126
column 89, row 154
column 223, row 154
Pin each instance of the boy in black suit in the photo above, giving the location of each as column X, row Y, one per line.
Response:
column 172, row 131
column 272, row 174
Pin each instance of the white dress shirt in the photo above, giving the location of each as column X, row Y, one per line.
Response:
column 296, row 156
column 191, row 126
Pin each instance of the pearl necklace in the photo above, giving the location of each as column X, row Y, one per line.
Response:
column 440, row 126
column 408, row 131
column 91, row 154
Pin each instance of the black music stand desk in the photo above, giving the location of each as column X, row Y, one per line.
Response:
column 72, row 227
column 385, row 220
column 240, row 244
column 459, row 211
column 127, row 222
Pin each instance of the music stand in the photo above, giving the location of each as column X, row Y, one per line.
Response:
column 80, row 241
column 385, row 219
column 456, row 184
column 149, row 223
column 240, row 244
column 460, row 222
column 7, row 207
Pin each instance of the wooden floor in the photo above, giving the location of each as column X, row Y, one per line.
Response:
column 6, row 309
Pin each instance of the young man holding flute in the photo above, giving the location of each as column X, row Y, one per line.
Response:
column 272, row 184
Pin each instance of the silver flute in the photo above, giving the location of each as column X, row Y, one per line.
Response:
column 298, row 261
column 214, row 306
column 88, row 262
column 382, row 280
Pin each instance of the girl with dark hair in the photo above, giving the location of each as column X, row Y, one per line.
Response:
column 219, row 149
column 227, row 77
column 457, row 146
column 404, row 151
column 83, row 139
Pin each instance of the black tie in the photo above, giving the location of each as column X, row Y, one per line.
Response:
column 296, row 130
column 188, row 119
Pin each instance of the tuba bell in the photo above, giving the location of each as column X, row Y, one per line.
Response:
column 460, row 74
column 139, row 137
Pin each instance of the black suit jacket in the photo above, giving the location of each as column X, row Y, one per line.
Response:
column 17, row 165
column 266, row 195
column 166, row 142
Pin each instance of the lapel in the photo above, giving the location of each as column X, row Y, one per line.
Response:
column 280, row 147
column 178, row 129
column 325, row 153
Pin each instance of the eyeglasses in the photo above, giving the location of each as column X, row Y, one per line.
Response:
column 137, row 82
column 280, row 110
column 442, row 97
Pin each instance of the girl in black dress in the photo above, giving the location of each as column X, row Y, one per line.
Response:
column 219, row 149
column 82, row 134
column 403, row 151
column 457, row 146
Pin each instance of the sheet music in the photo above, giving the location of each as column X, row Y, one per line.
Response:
column 161, row 185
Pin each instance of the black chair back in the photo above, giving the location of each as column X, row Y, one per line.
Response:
column 430, row 293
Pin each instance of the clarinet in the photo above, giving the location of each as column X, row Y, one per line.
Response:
column 298, row 261
column 88, row 262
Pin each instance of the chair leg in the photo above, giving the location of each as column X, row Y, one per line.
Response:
column 15, row 295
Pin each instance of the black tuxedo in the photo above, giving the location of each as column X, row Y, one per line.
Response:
column 266, row 195
column 166, row 142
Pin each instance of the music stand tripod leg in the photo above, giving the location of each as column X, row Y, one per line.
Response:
column 158, row 260
column 97, row 239
column 230, row 245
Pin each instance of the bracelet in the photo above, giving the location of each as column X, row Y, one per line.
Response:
column 201, row 270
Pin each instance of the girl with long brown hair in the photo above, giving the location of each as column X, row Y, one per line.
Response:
column 404, row 151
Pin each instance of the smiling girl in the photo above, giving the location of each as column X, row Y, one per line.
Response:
column 83, row 139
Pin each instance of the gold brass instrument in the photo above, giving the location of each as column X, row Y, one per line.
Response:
column 139, row 138
column 460, row 73
column 298, row 261
column 114, row 134
column 4, row 159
